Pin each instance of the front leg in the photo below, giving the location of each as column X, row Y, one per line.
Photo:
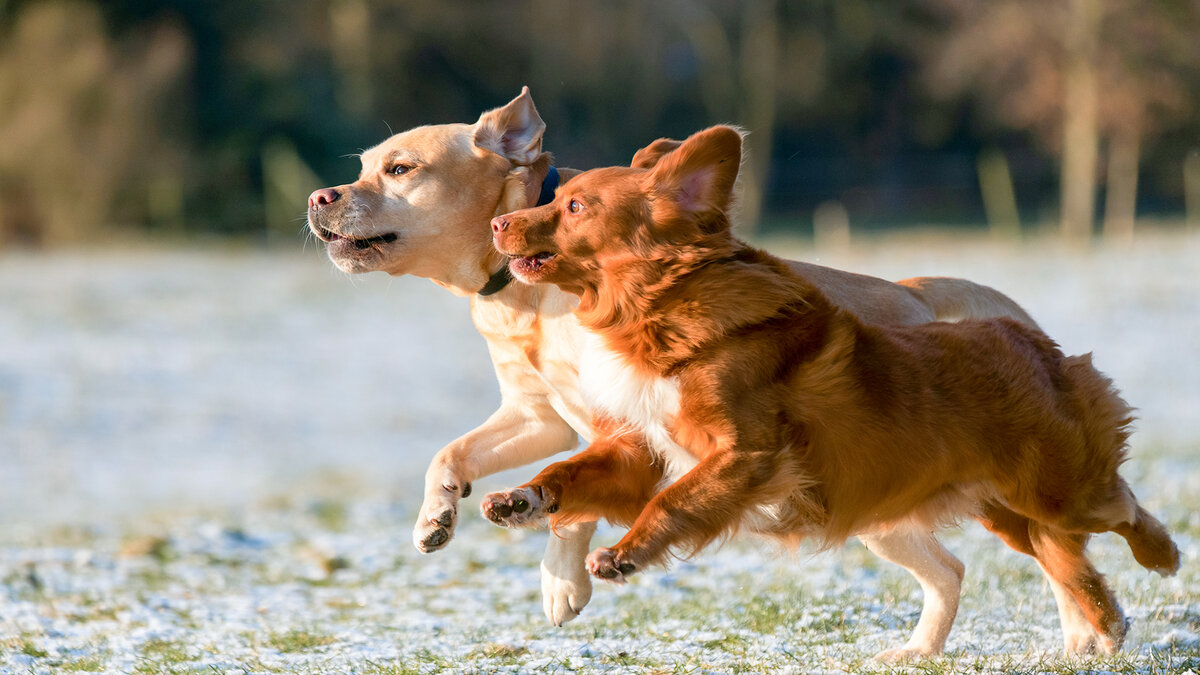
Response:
column 522, row 431
column 566, row 586
column 613, row 479
column 690, row 513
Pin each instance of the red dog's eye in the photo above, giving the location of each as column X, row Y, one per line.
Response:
column 574, row 206
column 400, row 169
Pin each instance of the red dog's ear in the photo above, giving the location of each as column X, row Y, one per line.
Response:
column 648, row 156
column 513, row 131
column 698, row 176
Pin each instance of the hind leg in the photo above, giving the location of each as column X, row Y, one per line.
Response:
column 1062, row 557
column 940, row 575
column 1013, row 529
column 1078, row 635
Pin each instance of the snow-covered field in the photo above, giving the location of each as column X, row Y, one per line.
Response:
column 211, row 460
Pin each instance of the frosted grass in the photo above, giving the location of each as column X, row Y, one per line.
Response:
column 212, row 460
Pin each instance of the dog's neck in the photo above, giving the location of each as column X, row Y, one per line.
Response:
column 660, row 313
column 536, row 184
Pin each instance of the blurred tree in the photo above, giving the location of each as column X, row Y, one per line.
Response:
column 740, row 68
column 1073, row 73
column 80, row 131
column 826, row 88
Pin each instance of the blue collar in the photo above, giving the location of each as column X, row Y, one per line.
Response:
column 503, row 277
column 549, row 187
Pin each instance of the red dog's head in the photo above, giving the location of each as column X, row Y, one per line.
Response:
column 605, row 218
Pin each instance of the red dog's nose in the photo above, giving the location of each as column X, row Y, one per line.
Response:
column 323, row 197
column 499, row 224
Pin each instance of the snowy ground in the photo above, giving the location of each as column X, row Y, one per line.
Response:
column 211, row 461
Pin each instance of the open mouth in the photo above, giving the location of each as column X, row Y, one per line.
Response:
column 531, row 264
column 332, row 237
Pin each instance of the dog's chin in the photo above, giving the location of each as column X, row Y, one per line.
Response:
column 355, row 256
column 533, row 269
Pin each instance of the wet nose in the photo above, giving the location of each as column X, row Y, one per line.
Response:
column 323, row 197
column 499, row 224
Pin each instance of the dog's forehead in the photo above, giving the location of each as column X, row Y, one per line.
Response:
column 422, row 144
column 607, row 182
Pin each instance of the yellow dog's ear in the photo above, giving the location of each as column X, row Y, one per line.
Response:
column 648, row 156
column 513, row 131
column 696, row 179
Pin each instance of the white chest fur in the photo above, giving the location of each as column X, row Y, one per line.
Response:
column 646, row 404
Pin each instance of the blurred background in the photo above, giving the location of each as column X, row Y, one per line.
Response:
column 185, row 117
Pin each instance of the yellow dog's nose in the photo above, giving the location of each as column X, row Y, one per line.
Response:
column 323, row 197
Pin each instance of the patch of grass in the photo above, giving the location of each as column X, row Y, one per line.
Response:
column 86, row 664
column 734, row 644
column 768, row 614
column 167, row 651
column 331, row 514
column 344, row 605
column 69, row 535
column 157, row 548
column 392, row 669
column 422, row 663
column 30, row 649
column 108, row 613
column 627, row 659
column 26, row 582
column 151, row 578
column 298, row 641
column 507, row 655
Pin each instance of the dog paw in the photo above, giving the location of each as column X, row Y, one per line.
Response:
column 604, row 563
column 518, row 507
column 1110, row 643
column 1083, row 643
column 438, row 516
column 1080, row 639
column 564, row 593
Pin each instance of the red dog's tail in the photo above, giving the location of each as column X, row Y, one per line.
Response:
column 1107, row 433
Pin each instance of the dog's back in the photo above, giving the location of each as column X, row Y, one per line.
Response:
column 919, row 422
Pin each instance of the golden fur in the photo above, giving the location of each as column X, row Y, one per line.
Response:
column 431, row 220
column 797, row 410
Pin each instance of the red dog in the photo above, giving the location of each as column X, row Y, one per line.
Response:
column 735, row 383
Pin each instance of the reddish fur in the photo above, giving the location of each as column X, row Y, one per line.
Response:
column 584, row 487
column 786, row 399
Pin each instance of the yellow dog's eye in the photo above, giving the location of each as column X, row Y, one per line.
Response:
column 400, row 169
column 574, row 206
